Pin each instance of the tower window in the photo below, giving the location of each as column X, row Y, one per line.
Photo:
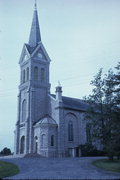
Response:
column 24, row 76
column 70, row 131
column 27, row 73
column 43, row 140
column 42, row 74
column 35, row 73
column 24, row 111
column 52, row 140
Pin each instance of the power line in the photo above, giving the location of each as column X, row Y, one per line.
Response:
column 53, row 82
column 74, row 85
column 15, row 89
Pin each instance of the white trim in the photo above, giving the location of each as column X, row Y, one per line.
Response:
column 24, row 49
column 52, row 97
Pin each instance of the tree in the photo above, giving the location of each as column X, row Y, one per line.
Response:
column 104, row 112
column 116, row 92
column 109, row 114
column 5, row 152
column 95, row 113
column 117, row 86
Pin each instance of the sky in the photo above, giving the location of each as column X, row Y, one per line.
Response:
column 80, row 36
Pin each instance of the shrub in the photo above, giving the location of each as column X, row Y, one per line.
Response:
column 5, row 152
column 90, row 150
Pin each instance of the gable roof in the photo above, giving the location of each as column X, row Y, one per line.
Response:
column 24, row 50
column 74, row 103
column 47, row 119
column 41, row 46
column 30, row 49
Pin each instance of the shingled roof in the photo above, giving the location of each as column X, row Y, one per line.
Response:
column 35, row 36
column 74, row 103
column 46, row 119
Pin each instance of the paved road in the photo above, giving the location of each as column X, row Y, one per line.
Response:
column 60, row 168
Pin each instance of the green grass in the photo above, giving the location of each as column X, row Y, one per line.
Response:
column 108, row 164
column 8, row 169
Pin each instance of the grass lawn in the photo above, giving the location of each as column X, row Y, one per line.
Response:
column 8, row 169
column 108, row 164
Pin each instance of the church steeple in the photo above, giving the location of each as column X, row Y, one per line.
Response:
column 35, row 36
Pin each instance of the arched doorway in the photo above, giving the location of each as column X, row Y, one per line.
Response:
column 78, row 152
column 22, row 145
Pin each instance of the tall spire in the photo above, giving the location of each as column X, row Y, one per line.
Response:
column 35, row 36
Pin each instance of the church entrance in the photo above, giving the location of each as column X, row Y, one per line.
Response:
column 78, row 152
column 74, row 152
column 22, row 145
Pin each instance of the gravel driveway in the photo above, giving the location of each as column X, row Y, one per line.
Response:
column 60, row 168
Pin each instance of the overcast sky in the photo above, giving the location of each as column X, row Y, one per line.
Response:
column 80, row 36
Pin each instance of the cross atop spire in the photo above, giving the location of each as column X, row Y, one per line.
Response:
column 35, row 36
column 35, row 5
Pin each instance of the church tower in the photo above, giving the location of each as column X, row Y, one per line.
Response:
column 34, row 88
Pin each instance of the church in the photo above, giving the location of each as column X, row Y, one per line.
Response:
column 50, row 125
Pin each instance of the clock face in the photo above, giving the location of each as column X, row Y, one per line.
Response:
column 39, row 55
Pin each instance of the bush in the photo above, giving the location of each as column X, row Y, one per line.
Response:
column 5, row 152
column 90, row 150
column 113, row 149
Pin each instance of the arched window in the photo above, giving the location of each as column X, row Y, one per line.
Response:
column 43, row 140
column 24, row 111
column 24, row 76
column 22, row 144
column 52, row 140
column 42, row 74
column 36, row 144
column 35, row 73
column 36, row 138
column 27, row 73
column 70, row 131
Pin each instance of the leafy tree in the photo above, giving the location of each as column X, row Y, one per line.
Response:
column 117, row 86
column 6, row 151
column 109, row 114
column 116, row 92
column 104, row 111
column 95, row 112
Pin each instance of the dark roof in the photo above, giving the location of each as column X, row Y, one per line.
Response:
column 35, row 36
column 30, row 49
column 69, row 103
column 47, row 115
column 74, row 103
